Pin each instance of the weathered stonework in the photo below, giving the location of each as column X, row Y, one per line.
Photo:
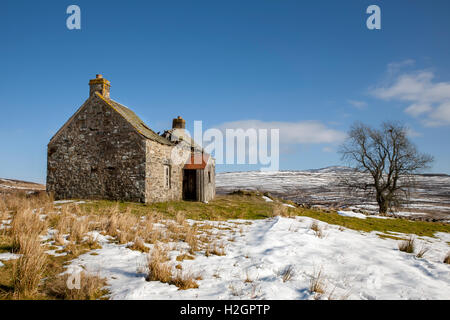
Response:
column 158, row 157
column 97, row 155
column 104, row 151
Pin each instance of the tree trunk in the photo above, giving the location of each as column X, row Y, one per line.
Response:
column 383, row 204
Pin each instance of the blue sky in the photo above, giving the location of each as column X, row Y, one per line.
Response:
column 287, row 62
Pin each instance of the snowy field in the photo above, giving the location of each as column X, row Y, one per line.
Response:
column 280, row 258
column 323, row 187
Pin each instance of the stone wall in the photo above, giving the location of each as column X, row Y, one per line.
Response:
column 97, row 155
column 159, row 156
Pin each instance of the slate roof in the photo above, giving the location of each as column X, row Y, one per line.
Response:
column 177, row 135
column 136, row 122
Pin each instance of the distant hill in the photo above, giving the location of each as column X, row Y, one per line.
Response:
column 429, row 199
column 11, row 185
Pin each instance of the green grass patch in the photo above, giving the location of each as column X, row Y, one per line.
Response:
column 420, row 228
column 5, row 244
column 221, row 208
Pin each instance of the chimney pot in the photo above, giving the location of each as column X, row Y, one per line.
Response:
column 178, row 123
column 100, row 85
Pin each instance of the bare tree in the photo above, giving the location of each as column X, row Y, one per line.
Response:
column 388, row 157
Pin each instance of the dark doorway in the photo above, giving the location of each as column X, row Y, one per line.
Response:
column 189, row 184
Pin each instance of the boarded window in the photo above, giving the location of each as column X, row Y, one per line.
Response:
column 167, row 176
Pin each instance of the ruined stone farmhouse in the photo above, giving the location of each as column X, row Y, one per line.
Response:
column 105, row 151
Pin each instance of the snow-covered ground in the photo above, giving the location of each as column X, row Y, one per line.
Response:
column 353, row 265
column 324, row 187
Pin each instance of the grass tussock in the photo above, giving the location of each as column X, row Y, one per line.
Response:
column 317, row 282
column 91, row 287
column 160, row 270
column 423, row 250
column 287, row 273
column 191, row 239
column 29, row 269
column 58, row 238
column 318, row 231
column 25, row 223
column 279, row 210
column 78, row 229
column 184, row 281
column 138, row 245
column 407, row 245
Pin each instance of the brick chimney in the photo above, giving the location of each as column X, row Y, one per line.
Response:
column 178, row 123
column 100, row 85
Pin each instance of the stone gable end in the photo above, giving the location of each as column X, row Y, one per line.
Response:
column 97, row 154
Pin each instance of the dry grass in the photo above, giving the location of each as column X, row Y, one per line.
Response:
column 20, row 201
column 407, row 245
column 447, row 258
column 180, row 218
column 191, row 238
column 317, row 229
column 78, row 229
column 146, row 229
column 184, row 281
column 91, row 287
column 58, row 238
column 138, row 245
column 29, row 269
column 92, row 242
column 279, row 210
column 215, row 249
column 184, row 256
column 422, row 252
column 317, row 282
column 287, row 273
column 25, row 222
column 158, row 269
column 248, row 279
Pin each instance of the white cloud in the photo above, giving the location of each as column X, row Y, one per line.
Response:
column 418, row 109
column 303, row 132
column 427, row 98
column 358, row 104
column 395, row 67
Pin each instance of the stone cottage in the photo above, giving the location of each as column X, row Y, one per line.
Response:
column 105, row 151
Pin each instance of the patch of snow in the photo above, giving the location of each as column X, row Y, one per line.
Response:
column 267, row 199
column 354, row 264
column 288, row 205
column 352, row 214
column 379, row 217
column 407, row 214
column 9, row 256
column 63, row 201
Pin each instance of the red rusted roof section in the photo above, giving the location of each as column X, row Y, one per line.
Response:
column 196, row 161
